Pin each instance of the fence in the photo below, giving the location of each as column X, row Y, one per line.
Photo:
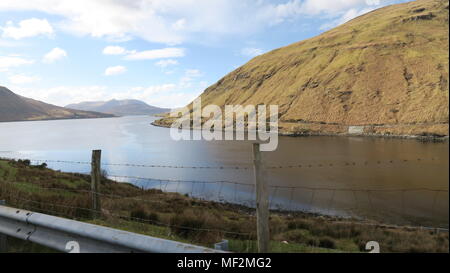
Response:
column 284, row 199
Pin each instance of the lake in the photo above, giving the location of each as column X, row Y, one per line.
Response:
column 398, row 181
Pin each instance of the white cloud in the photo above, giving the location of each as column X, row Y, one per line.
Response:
column 54, row 55
column 166, row 63
column 347, row 16
column 115, row 70
column 316, row 7
column 9, row 43
column 169, row 52
column 193, row 73
column 27, row 28
column 145, row 93
column 168, row 95
column 179, row 25
column 132, row 55
column 63, row 95
column 114, row 50
column 6, row 62
column 189, row 76
column 177, row 21
column 251, row 51
column 165, row 95
column 22, row 79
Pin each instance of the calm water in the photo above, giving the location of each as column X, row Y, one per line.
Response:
column 347, row 176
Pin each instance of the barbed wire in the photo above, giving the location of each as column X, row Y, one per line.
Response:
column 350, row 163
column 273, row 205
column 310, row 207
column 163, row 185
column 274, row 187
column 250, row 167
column 130, row 217
column 104, row 195
column 144, row 165
column 341, row 221
column 281, row 187
column 50, row 188
column 168, row 180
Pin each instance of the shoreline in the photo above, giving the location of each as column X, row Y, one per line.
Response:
column 52, row 119
column 424, row 138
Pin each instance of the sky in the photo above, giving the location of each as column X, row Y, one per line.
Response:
column 164, row 52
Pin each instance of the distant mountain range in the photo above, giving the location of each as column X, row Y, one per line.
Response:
column 17, row 108
column 119, row 107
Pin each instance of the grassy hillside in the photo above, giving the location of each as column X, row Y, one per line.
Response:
column 386, row 70
column 17, row 108
column 179, row 217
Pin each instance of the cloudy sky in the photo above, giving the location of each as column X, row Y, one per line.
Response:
column 164, row 52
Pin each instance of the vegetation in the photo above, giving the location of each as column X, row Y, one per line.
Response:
column 178, row 217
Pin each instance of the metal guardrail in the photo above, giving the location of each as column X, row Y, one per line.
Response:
column 73, row 236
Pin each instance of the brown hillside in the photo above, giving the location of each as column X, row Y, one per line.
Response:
column 17, row 108
column 386, row 70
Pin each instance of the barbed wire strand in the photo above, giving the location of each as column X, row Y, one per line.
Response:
column 147, row 200
column 249, row 165
column 285, row 187
column 129, row 217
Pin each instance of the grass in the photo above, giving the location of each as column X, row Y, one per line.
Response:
column 178, row 217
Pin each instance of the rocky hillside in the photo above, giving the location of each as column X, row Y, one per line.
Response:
column 17, row 108
column 385, row 72
column 119, row 107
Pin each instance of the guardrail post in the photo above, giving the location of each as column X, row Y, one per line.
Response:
column 262, row 202
column 3, row 238
column 95, row 182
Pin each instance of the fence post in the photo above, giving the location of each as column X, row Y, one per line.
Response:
column 262, row 202
column 3, row 238
column 95, row 181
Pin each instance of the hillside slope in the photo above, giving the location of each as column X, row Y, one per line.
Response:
column 17, row 108
column 119, row 107
column 386, row 70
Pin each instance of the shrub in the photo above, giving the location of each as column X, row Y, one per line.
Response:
column 153, row 217
column 186, row 225
column 327, row 242
column 25, row 162
column 42, row 166
column 198, row 227
column 138, row 213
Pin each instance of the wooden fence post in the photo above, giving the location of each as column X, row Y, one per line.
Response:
column 262, row 202
column 3, row 238
column 95, row 182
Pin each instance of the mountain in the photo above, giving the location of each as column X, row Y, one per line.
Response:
column 17, row 108
column 386, row 71
column 119, row 107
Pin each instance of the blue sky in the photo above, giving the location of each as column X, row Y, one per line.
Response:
column 164, row 52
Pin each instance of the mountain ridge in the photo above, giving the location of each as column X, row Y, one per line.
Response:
column 119, row 107
column 14, row 107
column 385, row 71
